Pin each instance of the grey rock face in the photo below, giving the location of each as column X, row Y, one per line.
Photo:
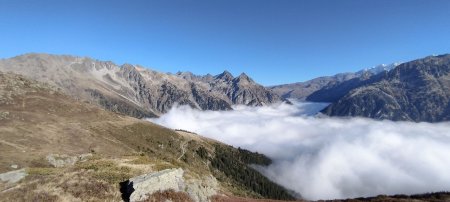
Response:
column 134, row 90
column 140, row 188
column 416, row 91
column 61, row 160
column 13, row 176
column 146, row 185
column 242, row 90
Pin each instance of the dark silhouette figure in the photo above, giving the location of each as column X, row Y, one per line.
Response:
column 126, row 188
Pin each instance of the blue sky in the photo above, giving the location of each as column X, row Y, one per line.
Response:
column 273, row 41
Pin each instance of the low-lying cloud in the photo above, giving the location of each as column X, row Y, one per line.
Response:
column 328, row 158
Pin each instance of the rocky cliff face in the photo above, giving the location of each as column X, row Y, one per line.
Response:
column 416, row 91
column 137, row 91
column 241, row 90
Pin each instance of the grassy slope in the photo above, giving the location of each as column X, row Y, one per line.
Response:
column 36, row 120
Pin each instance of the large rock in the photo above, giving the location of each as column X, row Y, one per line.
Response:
column 202, row 190
column 13, row 176
column 141, row 187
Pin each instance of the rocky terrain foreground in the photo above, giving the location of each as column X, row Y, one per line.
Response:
column 137, row 91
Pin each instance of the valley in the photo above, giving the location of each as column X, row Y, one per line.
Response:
column 225, row 101
column 62, row 136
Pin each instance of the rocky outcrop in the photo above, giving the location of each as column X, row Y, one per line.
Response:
column 62, row 160
column 13, row 176
column 142, row 187
column 202, row 189
column 135, row 90
column 415, row 91
column 242, row 90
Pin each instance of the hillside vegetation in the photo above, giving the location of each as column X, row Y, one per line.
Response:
column 38, row 121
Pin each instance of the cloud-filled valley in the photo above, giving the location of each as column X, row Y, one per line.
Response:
column 328, row 158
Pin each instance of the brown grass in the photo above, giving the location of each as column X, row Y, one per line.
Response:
column 169, row 195
column 28, row 192
column 88, row 190
column 42, row 171
column 106, row 170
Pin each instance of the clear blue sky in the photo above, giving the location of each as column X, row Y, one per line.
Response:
column 275, row 42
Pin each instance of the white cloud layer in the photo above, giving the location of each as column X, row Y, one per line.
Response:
column 328, row 158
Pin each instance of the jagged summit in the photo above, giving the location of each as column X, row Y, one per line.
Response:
column 379, row 68
column 244, row 78
column 186, row 75
column 226, row 76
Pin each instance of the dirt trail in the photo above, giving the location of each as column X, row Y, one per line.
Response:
column 183, row 149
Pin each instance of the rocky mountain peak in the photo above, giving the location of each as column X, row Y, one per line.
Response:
column 186, row 75
column 226, row 76
column 243, row 78
column 128, row 67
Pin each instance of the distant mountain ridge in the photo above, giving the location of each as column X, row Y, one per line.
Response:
column 135, row 90
column 316, row 89
column 414, row 91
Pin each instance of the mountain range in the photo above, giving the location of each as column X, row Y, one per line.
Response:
column 59, row 130
column 135, row 90
column 417, row 91
column 413, row 91
column 319, row 89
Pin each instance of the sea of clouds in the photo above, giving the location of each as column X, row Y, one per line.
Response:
column 329, row 158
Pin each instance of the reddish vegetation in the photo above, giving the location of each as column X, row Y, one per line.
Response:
column 169, row 195
column 218, row 198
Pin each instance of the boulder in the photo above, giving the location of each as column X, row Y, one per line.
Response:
column 141, row 187
column 13, row 176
